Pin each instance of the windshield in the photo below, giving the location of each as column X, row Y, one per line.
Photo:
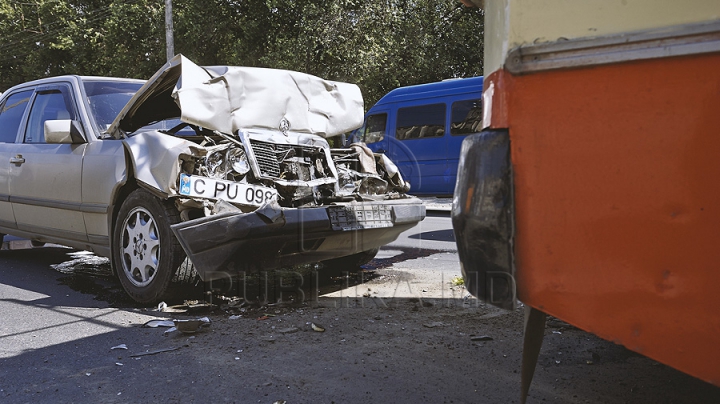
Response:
column 107, row 99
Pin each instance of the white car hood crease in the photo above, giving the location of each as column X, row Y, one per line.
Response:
column 231, row 98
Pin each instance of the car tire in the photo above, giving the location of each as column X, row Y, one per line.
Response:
column 145, row 252
column 352, row 261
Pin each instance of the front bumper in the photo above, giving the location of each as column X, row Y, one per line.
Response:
column 483, row 218
column 272, row 238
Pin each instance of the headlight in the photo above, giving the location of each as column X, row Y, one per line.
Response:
column 214, row 163
column 237, row 159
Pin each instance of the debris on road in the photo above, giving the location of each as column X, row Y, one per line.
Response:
column 191, row 325
column 158, row 322
column 481, row 338
column 121, row 346
column 317, row 328
column 157, row 351
column 434, row 324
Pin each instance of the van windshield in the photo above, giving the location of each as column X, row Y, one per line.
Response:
column 374, row 128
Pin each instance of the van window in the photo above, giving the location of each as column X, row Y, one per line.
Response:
column 374, row 130
column 421, row 122
column 11, row 114
column 466, row 117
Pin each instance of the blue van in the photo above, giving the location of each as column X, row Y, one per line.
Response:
column 421, row 129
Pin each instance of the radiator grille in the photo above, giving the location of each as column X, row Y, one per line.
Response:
column 268, row 156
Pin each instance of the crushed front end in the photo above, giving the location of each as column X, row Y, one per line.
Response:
column 267, row 200
column 250, row 169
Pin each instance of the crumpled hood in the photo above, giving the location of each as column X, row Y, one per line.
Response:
column 230, row 98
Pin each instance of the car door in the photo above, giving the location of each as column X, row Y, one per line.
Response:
column 12, row 112
column 45, row 180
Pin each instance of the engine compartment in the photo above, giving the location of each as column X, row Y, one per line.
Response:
column 302, row 168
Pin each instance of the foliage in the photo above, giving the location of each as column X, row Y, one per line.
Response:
column 379, row 45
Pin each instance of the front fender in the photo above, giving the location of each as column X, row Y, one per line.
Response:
column 156, row 159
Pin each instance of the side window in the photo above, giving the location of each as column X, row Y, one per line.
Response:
column 466, row 117
column 11, row 114
column 421, row 122
column 374, row 130
column 48, row 105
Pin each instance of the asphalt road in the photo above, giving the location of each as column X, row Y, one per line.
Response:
column 405, row 334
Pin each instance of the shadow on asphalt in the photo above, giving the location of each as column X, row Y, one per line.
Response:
column 437, row 235
column 89, row 274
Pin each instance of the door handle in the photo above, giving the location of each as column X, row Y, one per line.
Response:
column 17, row 159
column 381, row 151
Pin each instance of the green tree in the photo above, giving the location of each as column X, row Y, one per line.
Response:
column 379, row 45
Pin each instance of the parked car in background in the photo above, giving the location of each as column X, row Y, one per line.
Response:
column 227, row 165
column 421, row 129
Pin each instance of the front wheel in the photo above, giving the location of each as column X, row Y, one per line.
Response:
column 145, row 251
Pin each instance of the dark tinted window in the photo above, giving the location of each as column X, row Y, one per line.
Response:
column 466, row 117
column 374, row 129
column 48, row 106
column 421, row 122
column 11, row 114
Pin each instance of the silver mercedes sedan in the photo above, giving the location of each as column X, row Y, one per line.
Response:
column 227, row 166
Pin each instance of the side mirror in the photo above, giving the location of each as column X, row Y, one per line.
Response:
column 63, row 131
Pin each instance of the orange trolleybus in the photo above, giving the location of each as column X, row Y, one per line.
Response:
column 593, row 193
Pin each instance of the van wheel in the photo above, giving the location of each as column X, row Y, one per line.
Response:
column 352, row 261
column 145, row 251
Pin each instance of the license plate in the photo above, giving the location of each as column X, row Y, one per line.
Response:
column 211, row 188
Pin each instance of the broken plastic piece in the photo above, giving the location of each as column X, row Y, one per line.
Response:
column 191, row 325
column 158, row 323
column 271, row 211
column 221, row 206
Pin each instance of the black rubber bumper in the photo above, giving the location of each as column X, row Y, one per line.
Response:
column 274, row 238
column 483, row 218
